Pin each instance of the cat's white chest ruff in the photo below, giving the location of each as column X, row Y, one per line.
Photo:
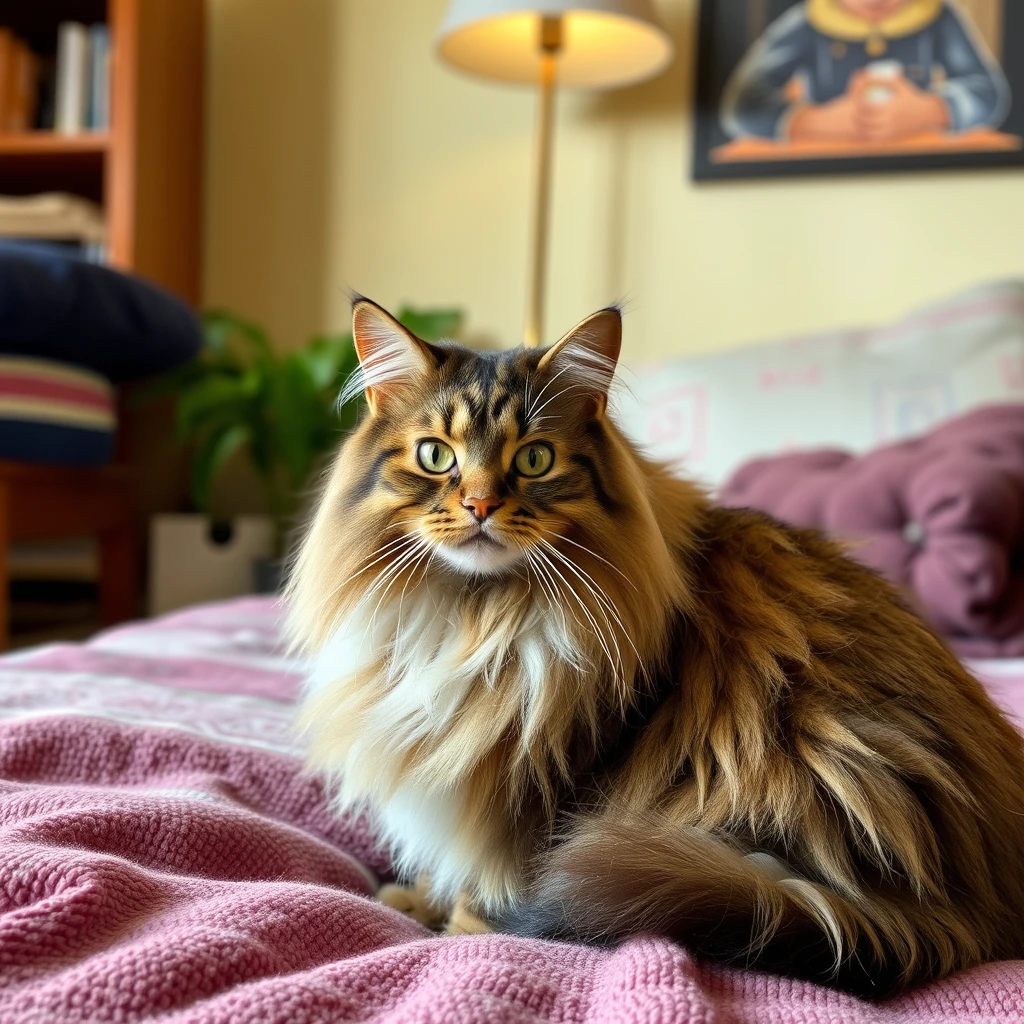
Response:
column 388, row 704
column 422, row 829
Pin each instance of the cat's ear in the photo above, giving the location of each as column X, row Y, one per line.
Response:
column 391, row 357
column 587, row 355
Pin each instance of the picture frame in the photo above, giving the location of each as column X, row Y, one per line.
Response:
column 812, row 87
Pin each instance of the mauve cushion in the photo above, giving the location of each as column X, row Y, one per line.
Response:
column 942, row 515
column 57, row 307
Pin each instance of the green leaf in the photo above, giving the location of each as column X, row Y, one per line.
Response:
column 431, row 324
column 212, row 397
column 261, row 450
column 210, row 457
column 326, row 358
column 295, row 411
column 220, row 326
column 215, row 333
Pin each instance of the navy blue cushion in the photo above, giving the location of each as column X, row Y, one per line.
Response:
column 55, row 443
column 57, row 307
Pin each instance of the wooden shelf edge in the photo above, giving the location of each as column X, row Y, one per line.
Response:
column 40, row 143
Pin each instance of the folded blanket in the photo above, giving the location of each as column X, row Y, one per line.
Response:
column 163, row 856
column 942, row 516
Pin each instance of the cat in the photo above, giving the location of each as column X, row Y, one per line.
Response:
column 583, row 701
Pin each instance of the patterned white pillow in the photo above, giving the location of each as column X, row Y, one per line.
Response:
column 853, row 389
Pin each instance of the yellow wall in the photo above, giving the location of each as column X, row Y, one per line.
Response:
column 343, row 155
column 269, row 126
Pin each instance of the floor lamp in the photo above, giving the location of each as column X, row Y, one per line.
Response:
column 599, row 44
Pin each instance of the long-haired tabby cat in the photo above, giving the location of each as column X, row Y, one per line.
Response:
column 587, row 702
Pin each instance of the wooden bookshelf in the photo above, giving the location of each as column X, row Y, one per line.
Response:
column 53, row 144
column 146, row 170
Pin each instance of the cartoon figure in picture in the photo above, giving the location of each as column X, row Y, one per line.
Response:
column 866, row 72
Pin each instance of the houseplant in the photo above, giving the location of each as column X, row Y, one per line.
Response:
column 243, row 396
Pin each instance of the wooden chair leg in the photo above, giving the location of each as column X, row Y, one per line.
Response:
column 117, row 576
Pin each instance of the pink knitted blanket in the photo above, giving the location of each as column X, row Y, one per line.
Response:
column 163, row 857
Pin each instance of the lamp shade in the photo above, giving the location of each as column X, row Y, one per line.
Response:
column 604, row 43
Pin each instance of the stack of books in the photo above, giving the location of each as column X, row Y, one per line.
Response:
column 69, row 93
column 55, row 220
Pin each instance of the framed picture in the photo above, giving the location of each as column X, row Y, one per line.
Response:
column 787, row 87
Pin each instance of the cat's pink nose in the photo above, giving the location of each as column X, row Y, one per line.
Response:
column 482, row 507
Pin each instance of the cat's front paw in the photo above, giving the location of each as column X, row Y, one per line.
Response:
column 413, row 903
column 464, row 922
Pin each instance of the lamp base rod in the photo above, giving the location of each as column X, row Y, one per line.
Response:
column 551, row 43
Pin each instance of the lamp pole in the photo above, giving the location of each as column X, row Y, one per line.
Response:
column 550, row 45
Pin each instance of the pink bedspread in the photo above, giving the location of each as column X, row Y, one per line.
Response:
column 163, row 857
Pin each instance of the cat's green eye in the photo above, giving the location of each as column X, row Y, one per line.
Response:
column 534, row 459
column 435, row 456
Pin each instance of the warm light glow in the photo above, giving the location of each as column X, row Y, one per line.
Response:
column 599, row 49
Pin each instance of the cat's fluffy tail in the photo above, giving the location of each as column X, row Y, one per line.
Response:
column 632, row 875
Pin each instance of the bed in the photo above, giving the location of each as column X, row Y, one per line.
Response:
column 165, row 857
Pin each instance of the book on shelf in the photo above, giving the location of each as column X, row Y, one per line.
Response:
column 8, row 44
column 99, row 78
column 19, row 83
column 21, row 115
column 71, row 112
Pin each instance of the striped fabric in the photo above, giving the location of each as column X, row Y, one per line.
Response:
column 55, row 413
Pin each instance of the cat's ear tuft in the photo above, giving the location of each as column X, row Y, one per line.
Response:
column 588, row 355
column 390, row 356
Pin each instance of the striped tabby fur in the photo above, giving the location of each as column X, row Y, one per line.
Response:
column 611, row 706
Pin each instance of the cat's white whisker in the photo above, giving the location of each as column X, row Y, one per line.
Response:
column 552, row 600
column 401, row 560
column 388, row 549
column 580, row 659
column 595, row 588
column 593, row 554
column 392, row 569
column 395, row 574
column 427, row 554
column 392, row 548
column 602, row 598
column 612, row 608
column 598, row 632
